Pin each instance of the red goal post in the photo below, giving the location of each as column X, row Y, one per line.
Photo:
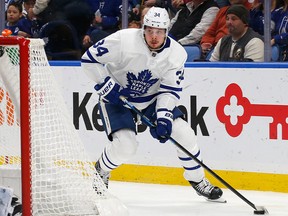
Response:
column 57, row 176
column 25, row 148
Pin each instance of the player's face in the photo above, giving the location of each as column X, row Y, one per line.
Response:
column 154, row 37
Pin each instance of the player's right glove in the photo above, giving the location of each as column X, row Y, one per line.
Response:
column 110, row 91
column 163, row 129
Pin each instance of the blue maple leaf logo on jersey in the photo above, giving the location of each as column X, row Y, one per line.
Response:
column 141, row 84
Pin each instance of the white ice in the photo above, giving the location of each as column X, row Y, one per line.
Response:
column 169, row 200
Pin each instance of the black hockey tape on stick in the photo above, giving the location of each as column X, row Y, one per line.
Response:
column 257, row 209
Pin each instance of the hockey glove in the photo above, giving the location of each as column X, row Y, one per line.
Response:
column 110, row 91
column 163, row 129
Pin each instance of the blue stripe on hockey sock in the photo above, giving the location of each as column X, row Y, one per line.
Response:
column 109, row 161
column 106, row 164
column 189, row 158
column 192, row 168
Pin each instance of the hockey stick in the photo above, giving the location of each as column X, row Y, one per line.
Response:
column 257, row 209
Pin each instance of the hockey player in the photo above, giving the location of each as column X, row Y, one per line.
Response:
column 147, row 67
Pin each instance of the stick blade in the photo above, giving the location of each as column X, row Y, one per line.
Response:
column 261, row 210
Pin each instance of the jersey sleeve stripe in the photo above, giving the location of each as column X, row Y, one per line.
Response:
column 90, row 60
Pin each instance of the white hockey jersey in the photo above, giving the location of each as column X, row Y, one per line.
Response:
column 147, row 75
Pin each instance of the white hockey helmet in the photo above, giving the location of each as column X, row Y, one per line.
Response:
column 157, row 17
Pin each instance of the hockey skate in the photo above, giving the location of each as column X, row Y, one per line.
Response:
column 206, row 189
column 103, row 174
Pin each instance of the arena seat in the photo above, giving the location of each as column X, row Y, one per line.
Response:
column 275, row 53
column 193, row 52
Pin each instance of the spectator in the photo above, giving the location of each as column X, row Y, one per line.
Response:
column 167, row 4
column 280, row 32
column 257, row 15
column 248, row 3
column 143, row 11
column 93, row 5
column 108, row 15
column 134, row 19
column 191, row 22
column 178, row 4
column 223, row 3
column 134, row 6
column 14, row 14
column 28, row 27
column 7, row 2
column 134, row 10
column 217, row 29
column 26, row 6
column 76, row 12
column 106, row 21
column 134, row 24
column 242, row 43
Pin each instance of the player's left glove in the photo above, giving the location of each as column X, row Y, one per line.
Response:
column 163, row 129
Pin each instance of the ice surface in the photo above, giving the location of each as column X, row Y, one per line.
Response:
column 169, row 200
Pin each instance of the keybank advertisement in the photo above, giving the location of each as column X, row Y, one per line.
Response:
column 238, row 114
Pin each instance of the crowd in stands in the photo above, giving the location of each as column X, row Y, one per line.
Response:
column 223, row 30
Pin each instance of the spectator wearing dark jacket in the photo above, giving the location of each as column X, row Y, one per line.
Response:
column 191, row 22
column 106, row 21
column 242, row 43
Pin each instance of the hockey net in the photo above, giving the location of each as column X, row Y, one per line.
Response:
column 41, row 143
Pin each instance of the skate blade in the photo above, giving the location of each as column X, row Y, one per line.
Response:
column 219, row 200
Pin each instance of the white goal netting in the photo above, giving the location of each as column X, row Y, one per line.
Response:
column 63, row 180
